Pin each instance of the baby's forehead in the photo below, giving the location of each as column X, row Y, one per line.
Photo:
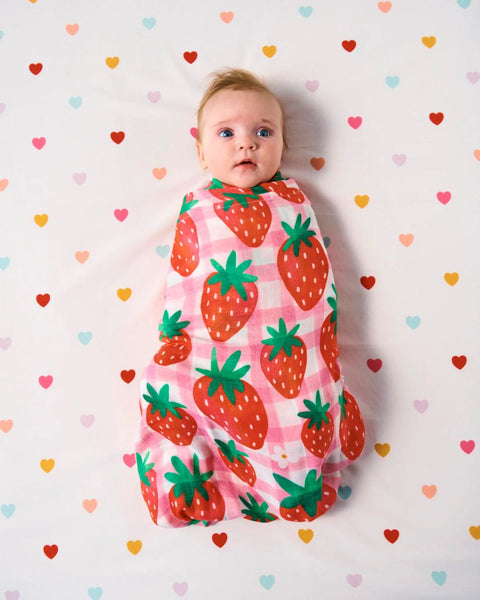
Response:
column 251, row 99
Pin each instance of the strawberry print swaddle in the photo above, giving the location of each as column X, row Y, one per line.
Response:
column 244, row 412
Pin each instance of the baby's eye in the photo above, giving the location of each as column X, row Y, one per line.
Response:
column 264, row 132
column 225, row 133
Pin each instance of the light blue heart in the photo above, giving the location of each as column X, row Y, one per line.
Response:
column 305, row 11
column 413, row 322
column 1, row 35
column 4, row 262
column 149, row 23
column 95, row 593
column 75, row 101
column 392, row 81
column 162, row 251
column 439, row 577
column 344, row 491
column 85, row 337
column 463, row 3
column 7, row 510
column 267, row 581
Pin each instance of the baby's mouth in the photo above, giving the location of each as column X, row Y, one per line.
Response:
column 246, row 163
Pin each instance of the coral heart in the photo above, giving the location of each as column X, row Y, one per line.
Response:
column 127, row 376
column 317, row 162
column 367, row 281
column 35, row 68
column 475, row 532
column 6, row 425
column 459, row 361
column 117, row 136
column 226, row 16
column 159, row 173
column 190, row 57
column 129, row 460
column 382, row 449
column 45, row 381
column 112, row 61
column 384, row 6
column 82, row 256
column 90, row 505
column 374, row 364
column 349, row 45
column 124, row 293
column 50, row 551
column 43, row 299
column 451, row 278
column 72, row 28
column 362, row 201
column 39, row 143
column 355, row 122
column 40, row 220
column 406, row 239
column 436, row 118
column 429, row 491
column 47, row 464
column 3, row 184
column 444, row 197
column 219, row 539
column 391, row 535
column 120, row 214
column 306, row 535
column 269, row 51
column 476, row 154
column 134, row 546
column 429, row 41
column 468, row 446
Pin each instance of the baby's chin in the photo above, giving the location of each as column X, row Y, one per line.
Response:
column 246, row 177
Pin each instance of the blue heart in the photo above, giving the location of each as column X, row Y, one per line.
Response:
column 85, row 337
column 392, row 81
column 267, row 581
column 7, row 510
column 75, row 101
column 413, row 322
column 344, row 491
column 463, row 3
column 95, row 593
column 162, row 251
column 305, row 11
column 149, row 23
column 326, row 241
column 4, row 262
column 439, row 577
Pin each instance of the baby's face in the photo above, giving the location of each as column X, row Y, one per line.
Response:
column 241, row 139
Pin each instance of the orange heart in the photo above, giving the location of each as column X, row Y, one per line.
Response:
column 72, row 29
column 384, row 6
column 451, row 278
column 159, row 173
column 429, row 41
column 82, row 256
column 40, row 220
column 317, row 163
column 226, row 16
column 306, row 535
column 89, row 505
column 406, row 239
column 382, row 449
column 3, row 184
column 47, row 464
column 6, row 425
column 124, row 293
column 112, row 61
column 269, row 51
column 429, row 491
column 362, row 201
column 476, row 154
column 134, row 546
column 475, row 532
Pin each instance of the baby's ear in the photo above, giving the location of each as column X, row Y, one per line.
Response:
column 201, row 156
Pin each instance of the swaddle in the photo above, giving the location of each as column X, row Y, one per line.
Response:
column 244, row 411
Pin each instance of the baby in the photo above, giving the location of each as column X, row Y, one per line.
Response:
column 244, row 409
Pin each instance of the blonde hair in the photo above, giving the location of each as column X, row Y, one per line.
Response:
column 235, row 79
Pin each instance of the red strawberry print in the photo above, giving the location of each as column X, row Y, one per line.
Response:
column 284, row 359
column 229, row 298
column 177, row 344
column 294, row 195
column 185, row 252
column 307, row 502
column 193, row 498
column 236, row 461
column 328, row 339
column 244, row 212
column 317, row 431
column 303, row 264
column 352, row 428
column 231, row 402
column 148, row 484
column 168, row 418
column 255, row 511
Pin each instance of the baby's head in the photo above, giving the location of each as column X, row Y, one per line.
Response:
column 240, row 129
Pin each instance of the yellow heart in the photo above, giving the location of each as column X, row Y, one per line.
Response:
column 40, row 220
column 306, row 535
column 362, row 201
column 429, row 41
column 82, row 256
column 112, row 61
column 406, row 239
column 475, row 531
column 159, row 173
column 47, row 464
column 382, row 449
column 3, row 184
column 451, row 278
column 124, row 293
column 33, row 1
column 134, row 546
column 269, row 51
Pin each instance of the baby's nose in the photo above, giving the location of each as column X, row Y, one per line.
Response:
column 247, row 142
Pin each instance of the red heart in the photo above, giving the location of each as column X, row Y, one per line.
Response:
column 43, row 299
column 127, row 376
column 129, row 460
column 459, row 361
column 317, row 163
column 391, row 535
column 35, row 68
column 219, row 539
column 374, row 364
column 367, row 282
column 190, row 57
column 117, row 136
column 349, row 45
column 50, row 551
column 436, row 118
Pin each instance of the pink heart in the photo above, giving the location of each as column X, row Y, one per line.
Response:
column 129, row 460
column 79, row 178
column 194, row 132
column 354, row 122
column 180, row 588
column 39, row 143
column 444, row 197
column 312, row 86
column 468, row 446
column 2, row 107
column 5, row 343
column 473, row 77
column 354, row 579
column 421, row 405
column 45, row 381
column 13, row 595
column 154, row 96
column 87, row 420
column 374, row 364
column 120, row 214
column 399, row 159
